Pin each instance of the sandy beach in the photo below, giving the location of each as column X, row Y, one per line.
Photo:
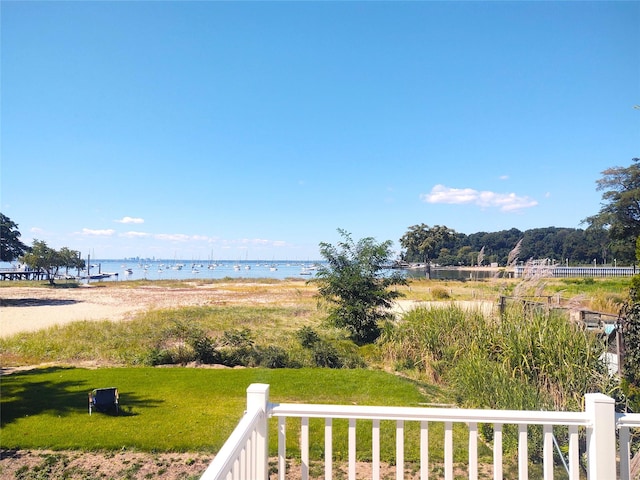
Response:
column 27, row 309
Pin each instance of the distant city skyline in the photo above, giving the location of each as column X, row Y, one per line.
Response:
column 235, row 130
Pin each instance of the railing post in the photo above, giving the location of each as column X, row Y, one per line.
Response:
column 601, row 436
column 258, row 399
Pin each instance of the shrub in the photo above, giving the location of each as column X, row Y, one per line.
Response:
column 326, row 355
column 158, row 356
column 205, row 349
column 307, row 337
column 274, row 357
column 439, row 293
column 329, row 354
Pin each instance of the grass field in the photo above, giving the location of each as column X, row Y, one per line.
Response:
column 186, row 409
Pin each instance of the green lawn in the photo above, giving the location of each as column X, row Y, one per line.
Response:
column 187, row 409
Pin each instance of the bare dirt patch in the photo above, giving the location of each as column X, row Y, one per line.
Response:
column 26, row 464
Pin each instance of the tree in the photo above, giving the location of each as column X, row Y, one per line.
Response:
column 71, row 259
column 620, row 210
column 355, row 284
column 11, row 247
column 43, row 257
column 423, row 243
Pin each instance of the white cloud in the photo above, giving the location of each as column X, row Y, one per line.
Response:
column 107, row 232
column 254, row 241
column 36, row 230
column 506, row 202
column 504, row 177
column 173, row 237
column 134, row 234
column 130, row 220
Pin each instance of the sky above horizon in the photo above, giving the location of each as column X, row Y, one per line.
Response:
column 233, row 130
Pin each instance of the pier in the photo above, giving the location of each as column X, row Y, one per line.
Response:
column 558, row 271
column 13, row 274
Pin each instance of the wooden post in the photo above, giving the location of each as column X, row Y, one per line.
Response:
column 258, row 398
column 620, row 344
column 601, row 436
column 503, row 304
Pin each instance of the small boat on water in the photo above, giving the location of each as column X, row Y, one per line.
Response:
column 99, row 276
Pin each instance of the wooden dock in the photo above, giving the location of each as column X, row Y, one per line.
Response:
column 12, row 274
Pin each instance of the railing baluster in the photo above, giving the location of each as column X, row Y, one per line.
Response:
column 282, row 448
column 424, row 450
column 400, row 450
column 523, row 452
column 352, row 449
column 448, row 450
column 574, row 454
column 497, row 451
column 473, row 451
column 328, row 448
column 547, row 451
column 236, row 469
column 375, row 450
column 252, row 467
column 625, row 453
column 304, row 448
column 243, row 461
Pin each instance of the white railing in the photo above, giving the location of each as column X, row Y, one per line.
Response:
column 625, row 422
column 245, row 454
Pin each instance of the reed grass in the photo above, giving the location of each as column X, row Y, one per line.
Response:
column 526, row 359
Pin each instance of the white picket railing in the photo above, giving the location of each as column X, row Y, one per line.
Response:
column 625, row 422
column 245, row 454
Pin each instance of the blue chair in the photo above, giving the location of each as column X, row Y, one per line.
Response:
column 104, row 400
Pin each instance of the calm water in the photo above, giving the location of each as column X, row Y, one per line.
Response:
column 182, row 269
column 278, row 269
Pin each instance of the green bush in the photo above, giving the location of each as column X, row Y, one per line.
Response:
column 326, row 355
column 307, row 336
column 158, row 356
column 205, row 350
column 329, row 353
column 274, row 357
column 439, row 293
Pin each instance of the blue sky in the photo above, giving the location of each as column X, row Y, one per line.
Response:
column 257, row 129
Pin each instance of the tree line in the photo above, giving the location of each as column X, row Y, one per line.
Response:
column 573, row 246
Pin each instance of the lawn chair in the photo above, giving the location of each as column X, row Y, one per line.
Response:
column 104, row 400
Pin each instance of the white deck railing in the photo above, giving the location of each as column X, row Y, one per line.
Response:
column 245, row 454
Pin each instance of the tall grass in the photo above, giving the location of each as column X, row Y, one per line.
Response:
column 526, row 359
